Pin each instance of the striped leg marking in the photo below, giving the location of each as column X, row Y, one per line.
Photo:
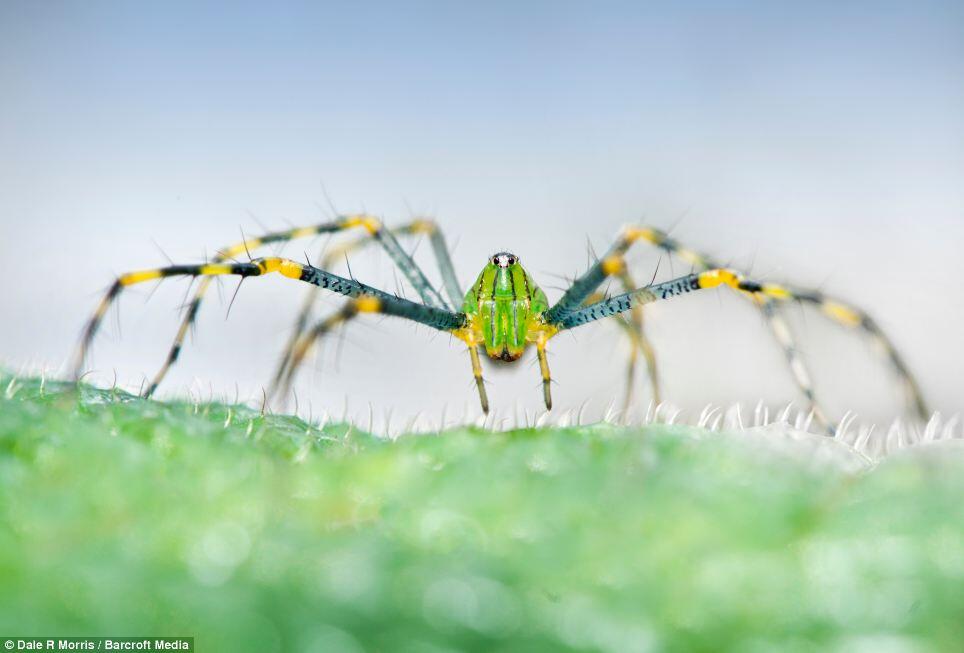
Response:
column 666, row 290
column 837, row 311
column 437, row 318
column 855, row 318
column 307, row 341
column 376, row 233
column 336, row 254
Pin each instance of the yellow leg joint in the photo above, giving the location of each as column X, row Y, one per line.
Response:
column 215, row 269
column 720, row 277
column 643, row 233
column 776, row 292
column 368, row 304
column 840, row 313
column 283, row 266
column 137, row 277
column 423, row 226
column 303, row 232
column 613, row 265
column 372, row 224
column 470, row 335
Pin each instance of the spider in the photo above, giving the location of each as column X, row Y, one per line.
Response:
column 504, row 311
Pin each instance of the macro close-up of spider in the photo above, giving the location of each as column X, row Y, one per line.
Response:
column 504, row 311
column 542, row 326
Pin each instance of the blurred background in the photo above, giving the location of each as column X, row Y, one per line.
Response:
column 818, row 143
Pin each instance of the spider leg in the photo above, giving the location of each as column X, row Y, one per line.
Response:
column 419, row 226
column 613, row 264
column 836, row 310
column 376, row 233
column 544, row 370
column 774, row 320
column 648, row 294
column 306, row 342
column 629, row 302
column 334, row 255
column 801, row 374
column 432, row 316
column 855, row 318
column 639, row 344
column 477, row 374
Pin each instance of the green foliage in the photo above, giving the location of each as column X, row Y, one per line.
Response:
column 120, row 516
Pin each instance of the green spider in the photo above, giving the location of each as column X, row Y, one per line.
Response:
column 504, row 311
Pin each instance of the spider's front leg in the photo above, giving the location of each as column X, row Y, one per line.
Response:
column 613, row 264
column 366, row 298
column 633, row 300
column 338, row 253
column 841, row 313
column 375, row 233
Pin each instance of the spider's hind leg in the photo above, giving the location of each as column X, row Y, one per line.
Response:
column 855, row 318
column 798, row 369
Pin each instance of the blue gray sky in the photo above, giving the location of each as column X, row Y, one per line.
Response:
column 821, row 143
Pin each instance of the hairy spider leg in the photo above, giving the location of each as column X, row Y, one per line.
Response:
column 857, row 319
column 836, row 310
column 341, row 223
column 640, row 343
column 435, row 317
column 630, row 301
column 613, row 263
column 306, row 342
column 544, row 371
column 625, row 302
column 333, row 255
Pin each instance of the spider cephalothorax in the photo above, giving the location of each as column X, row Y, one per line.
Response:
column 505, row 310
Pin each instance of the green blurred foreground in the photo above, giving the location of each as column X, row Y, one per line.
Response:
column 127, row 517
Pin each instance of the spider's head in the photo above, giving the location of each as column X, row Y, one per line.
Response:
column 504, row 276
column 503, row 260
